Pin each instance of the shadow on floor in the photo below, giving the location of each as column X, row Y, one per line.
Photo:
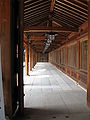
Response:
column 30, row 112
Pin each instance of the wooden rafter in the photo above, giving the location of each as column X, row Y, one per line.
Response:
column 36, row 6
column 69, row 11
column 37, row 13
column 67, row 18
column 68, row 15
column 76, row 5
column 72, row 8
column 36, row 17
column 40, row 7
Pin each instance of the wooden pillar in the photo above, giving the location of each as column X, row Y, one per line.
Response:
column 66, row 57
column 26, row 60
column 88, row 84
column 78, row 58
column 30, row 57
column 60, row 56
column 20, row 56
column 5, row 42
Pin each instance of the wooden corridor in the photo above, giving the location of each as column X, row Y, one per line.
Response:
column 50, row 94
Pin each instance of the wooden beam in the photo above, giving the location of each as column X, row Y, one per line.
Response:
column 38, row 38
column 64, row 13
column 48, row 29
column 26, row 60
column 73, row 8
column 52, row 6
column 78, row 1
column 76, row 5
column 69, row 11
column 36, row 9
column 39, row 43
column 57, row 23
column 88, row 84
column 35, row 14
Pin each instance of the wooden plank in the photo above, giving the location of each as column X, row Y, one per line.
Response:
column 88, row 84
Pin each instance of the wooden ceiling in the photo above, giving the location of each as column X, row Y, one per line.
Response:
column 66, row 17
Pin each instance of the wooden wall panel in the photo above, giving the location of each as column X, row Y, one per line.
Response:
column 71, row 66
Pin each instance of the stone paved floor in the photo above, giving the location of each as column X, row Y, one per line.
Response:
column 50, row 94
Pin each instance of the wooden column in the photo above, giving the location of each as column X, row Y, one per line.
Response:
column 66, row 57
column 78, row 58
column 30, row 57
column 88, row 85
column 5, row 42
column 26, row 60
column 20, row 55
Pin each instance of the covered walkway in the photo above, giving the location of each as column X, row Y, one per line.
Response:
column 50, row 94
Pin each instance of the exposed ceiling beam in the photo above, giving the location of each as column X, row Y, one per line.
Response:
column 35, row 22
column 36, row 17
column 48, row 29
column 65, row 22
column 68, row 18
column 37, row 13
column 52, row 6
column 32, row 10
column 81, row 2
column 57, row 23
column 76, row 5
column 68, row 15
column 38, row 38
column 73, row 8
column 36, row 6
column 32, row 3
column 69, row 11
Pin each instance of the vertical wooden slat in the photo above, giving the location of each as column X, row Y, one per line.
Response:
column 66, row 57
column 78, row 58
column 88, row 85
column 26, row 60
